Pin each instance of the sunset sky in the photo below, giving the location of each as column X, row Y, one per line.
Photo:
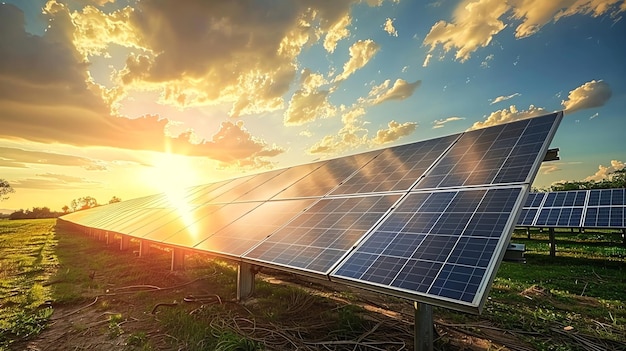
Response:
column 128, row 98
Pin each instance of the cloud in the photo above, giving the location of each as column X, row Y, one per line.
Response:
column 604, row 172
column 475, row 22
column 400, row 90
column 473, row 26
column 59, row 103
column 337, row 32
column 508, row 115
column 589, row 95
column 361, row 53
column 485, row 63
column 549, row 168
column 439, row 123
column 394, row 132
column 427, row 60
column 504, row 98
column 207, row 53
column 53, row 181
column 14, row 157
column 389, row 28
column 233, row 146
column 350, row 136
column 307, row 106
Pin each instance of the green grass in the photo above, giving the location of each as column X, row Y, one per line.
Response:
column 27, row 260
column 582, row 288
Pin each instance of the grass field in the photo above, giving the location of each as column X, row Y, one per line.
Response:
column 62, row 290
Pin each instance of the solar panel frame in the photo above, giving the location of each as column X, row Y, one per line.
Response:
column 595, row 208
column 499, row 247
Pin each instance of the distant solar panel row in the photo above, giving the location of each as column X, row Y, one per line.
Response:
column 598, row 208
column 428, row 221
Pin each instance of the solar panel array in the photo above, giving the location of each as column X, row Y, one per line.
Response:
column 598, row 208
column 428, row 221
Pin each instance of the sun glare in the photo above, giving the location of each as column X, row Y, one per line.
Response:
column 173, row 174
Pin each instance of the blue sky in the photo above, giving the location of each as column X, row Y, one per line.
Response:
column 106, row 98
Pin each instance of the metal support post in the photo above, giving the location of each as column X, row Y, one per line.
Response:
column 528, row 232
column 552, row 242
column 423, row 327
column 108, row 237
column 245, row 280
column 624, row 236
column 124, row 242
column 178, row 260
column 144, row 248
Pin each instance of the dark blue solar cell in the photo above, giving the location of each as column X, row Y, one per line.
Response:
column 473, row 251
column 542, row 219
column 576, row 217
column 417, row 275
column 617, row 217
column 553, row 217
column 458, row 282
column 564, row 217
column 594, row 198
column 580, row 198
column 603, row 216
column 618, row 197
column 403, row 245
column 605, row 197
column 384, row 270
column 527, row 216
column 536, row 199
column 591, row 217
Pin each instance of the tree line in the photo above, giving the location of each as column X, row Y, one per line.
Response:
column 616, row 179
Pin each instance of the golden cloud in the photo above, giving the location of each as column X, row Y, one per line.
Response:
column 361, row 53
column 589, row 95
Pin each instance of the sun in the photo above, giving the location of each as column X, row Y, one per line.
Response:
column 172, row 174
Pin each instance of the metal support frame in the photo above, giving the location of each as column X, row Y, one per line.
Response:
column 178, row 259
column 144, row 248
column 424, row 327
column 108, row 237
column 624, row 236
column 552, row 242
column 245, row 280
column 124, row 242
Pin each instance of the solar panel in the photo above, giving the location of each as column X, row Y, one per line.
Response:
column 598, row 208
column 396, row 168
column 427, row 221
column 497, row 155
column 606, row 209
column 328, row 176
column 318, row 237
column 439, row 245
column 241, row 235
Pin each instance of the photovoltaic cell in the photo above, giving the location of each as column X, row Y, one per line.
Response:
column 241, row 235
column 322, row 234
column 496, row 155
column 437, row 244
column 396, row 168
column 325, row 178
column 598, row 208
column 606, row 209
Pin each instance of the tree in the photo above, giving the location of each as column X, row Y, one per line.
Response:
column 83, row 203
column 115, row 199
column 5, row 189
column 66, row 209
